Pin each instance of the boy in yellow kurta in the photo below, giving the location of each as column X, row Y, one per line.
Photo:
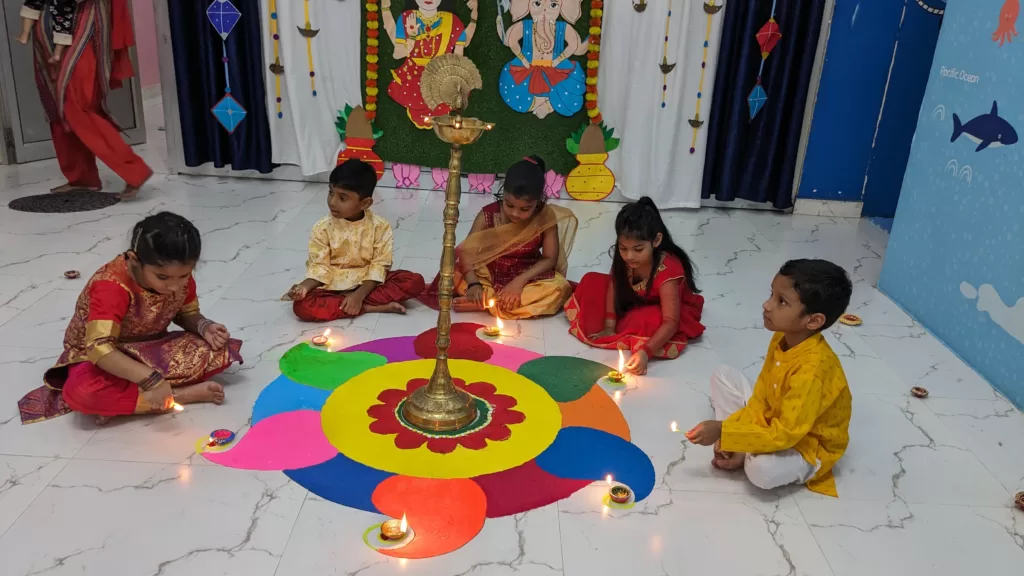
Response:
column 348, row 272
column 794, row 425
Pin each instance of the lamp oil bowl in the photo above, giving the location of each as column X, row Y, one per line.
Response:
column 492, row 331
column 1019, row 499
column 919, row 392
column 616, row 377
column 394, row 529
column 323, row 339
column 850, row 320
column 72, row 274
column 620, row 494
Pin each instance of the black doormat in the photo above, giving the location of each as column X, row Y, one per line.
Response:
column 63, row 202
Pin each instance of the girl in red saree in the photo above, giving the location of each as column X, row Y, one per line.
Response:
column 119, row 358
column 649, row 304
column 424, row 30
column 74, row 92
column 516, row 252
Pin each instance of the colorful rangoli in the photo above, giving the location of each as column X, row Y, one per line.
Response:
column 333, row 423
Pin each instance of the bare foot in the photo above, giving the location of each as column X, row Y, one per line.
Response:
column 393, row 308
column 129, row 193
column 202, row 392
column 102, row 420
column 23, row 39
column 69, row 187
column 728, row 460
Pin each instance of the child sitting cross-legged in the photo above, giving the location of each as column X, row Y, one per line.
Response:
column 348, row 272
column 794, row 425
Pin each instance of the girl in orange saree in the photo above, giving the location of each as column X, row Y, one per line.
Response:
column 516, row 253
column 119, row 358
column 427, row 28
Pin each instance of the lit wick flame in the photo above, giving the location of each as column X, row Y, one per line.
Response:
column 177, row 407
column 622, row 361
column 608, row 479
column 327, row 333
column 498, row 324
column 404, row 526
column 674, row 427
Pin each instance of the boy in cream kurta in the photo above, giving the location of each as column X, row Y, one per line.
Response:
column 348, row 272
column 793, row 426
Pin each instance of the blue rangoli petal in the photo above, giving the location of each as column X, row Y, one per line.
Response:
column 588, row 454
column 285, row 395
column 343, row 481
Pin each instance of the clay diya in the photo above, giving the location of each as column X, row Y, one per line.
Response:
column 619, row 494
column 394, row 529
column 72, row 274
column 1019, row 499
column 850, row 320
column 322, row 339
column 919, row 392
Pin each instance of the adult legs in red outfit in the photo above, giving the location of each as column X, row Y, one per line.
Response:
column 90, row 134
column 324, row 305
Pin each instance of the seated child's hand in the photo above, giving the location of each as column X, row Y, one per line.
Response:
column 637, row 363
column 511, row 295
column 353, row 305
column 216, row 335
column 706, row 433
column 603, row 334
column 296, row 293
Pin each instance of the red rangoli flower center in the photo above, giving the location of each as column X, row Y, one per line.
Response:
column 496, row 417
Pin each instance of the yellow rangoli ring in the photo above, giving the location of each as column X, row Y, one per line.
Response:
column 347, row 425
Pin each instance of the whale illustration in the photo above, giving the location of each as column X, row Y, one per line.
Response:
column 986, row 130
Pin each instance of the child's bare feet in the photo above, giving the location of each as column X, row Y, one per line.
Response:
column 392, row 308
column 102, row 420
column 728, row 460
column 23, row 39
column 202, row 392
column 129, row 193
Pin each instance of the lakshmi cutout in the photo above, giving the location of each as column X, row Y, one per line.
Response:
column 427, row 28
column 541, row 78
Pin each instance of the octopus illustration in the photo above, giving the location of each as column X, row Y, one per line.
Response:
column 1007, row 27
column 333, row 423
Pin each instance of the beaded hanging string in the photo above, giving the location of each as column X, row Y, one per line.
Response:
column 665, row 68
column 223, row 15
column 276, row 68
column 309, row 33
column 710, row 8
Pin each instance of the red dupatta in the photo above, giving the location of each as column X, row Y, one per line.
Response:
column 107, row 26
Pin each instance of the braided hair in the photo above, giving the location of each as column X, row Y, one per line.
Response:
column 166, row 238
column 641, row 220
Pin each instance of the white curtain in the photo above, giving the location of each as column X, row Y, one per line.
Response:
column 306, row 135
column 654, row 158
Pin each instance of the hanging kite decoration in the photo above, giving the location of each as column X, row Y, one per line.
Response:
column 711, row 7
column 224, row 16
column 767, row 37
column 357, row 138
column 665, row 66
column 276, row 68
column 309, row 33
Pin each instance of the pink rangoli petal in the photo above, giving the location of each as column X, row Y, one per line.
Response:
column 510, row 357
column 283, row 441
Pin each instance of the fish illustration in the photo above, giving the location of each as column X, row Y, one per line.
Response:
column 988, row 130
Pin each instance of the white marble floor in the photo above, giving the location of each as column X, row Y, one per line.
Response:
column 926, row 486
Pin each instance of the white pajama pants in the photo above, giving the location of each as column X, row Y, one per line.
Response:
column 730, row 390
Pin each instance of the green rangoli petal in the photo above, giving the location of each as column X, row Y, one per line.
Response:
column 326, row 370
column 566, row 378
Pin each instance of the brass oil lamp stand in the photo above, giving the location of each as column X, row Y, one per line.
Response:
column 440, row 406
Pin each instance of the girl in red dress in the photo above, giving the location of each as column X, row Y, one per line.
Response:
column 650, row 303
column 119, row 358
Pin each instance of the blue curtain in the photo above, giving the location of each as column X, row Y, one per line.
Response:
column 755, row 158
column 199, row 69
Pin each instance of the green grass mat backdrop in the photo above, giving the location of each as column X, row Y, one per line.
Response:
column 515, row 134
